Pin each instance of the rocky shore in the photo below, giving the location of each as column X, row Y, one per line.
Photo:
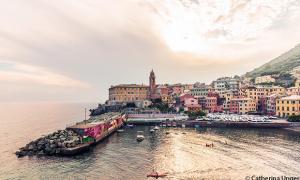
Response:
column 51, row 144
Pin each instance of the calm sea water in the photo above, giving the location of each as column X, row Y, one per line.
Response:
column 184, row 156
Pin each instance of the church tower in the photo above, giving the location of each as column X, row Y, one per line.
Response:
column 152, row 85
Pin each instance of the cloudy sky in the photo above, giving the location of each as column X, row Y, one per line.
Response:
column 73, row 50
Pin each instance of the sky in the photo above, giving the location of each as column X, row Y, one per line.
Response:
column 74, row 50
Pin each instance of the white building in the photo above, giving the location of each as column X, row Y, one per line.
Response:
column 264, row 79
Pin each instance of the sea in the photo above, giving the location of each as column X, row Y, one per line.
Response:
column 181, row 153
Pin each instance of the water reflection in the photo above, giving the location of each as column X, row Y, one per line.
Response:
column 236, row 153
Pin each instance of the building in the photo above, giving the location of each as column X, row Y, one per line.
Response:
column 258, row 93
column 166, row 98
column 162, row 90
column 242, row 105
column 288, row 106
column 264, row 79
column 293, row 91
column 271, row 104
column 228, row 95
column 201, row 90
column 191, row 104
column 221, row 85
column 211, row 104
column 128, row 93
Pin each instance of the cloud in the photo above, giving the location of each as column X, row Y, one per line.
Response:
column 50, row 46
column 27, row 74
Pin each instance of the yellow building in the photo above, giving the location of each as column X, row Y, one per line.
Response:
column 166, row 98
column 261, row 91
column 288, row 106
column 128, row 93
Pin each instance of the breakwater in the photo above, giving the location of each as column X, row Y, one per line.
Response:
column 76, row 138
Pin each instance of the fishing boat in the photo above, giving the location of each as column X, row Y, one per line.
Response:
column 140, row 136
column 130, row 125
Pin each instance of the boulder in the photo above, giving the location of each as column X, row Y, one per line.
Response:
column 40, row 153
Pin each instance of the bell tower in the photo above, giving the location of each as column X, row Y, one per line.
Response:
column 152, row 85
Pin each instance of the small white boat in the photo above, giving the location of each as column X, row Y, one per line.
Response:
column 120, row 130
column 183, row 125
column 140, row 136
column 152, row 130
column 156, row 128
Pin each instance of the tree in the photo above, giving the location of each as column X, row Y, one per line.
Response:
column 130, row 105
column 196, row 114
column 294, row 118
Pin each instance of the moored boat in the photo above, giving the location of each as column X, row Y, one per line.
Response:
column 140, row 136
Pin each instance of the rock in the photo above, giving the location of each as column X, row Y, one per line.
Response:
column 48, row 149
column 57, row 151
column 52, row 152
column 30, row 153
column 53, row 146
column 30, row 147
column 59, row 144
column 21, row 153
column 41, row 153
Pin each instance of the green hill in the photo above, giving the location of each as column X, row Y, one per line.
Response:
column 280, row 65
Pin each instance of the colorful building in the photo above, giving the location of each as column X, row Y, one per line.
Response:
column 191, row 104
column 211, row 104
column 271, row 104
column 288, row 106
column 242, row 105
column 258, row 93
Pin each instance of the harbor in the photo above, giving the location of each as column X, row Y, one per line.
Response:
column 211, row 120
column 79, row 137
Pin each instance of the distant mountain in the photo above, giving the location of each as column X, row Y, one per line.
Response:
column 280, row 65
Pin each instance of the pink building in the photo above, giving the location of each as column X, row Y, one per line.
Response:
column 177, row 89
column 191, row 104
column 182, row 97
column 162, row 90
column 211, row 104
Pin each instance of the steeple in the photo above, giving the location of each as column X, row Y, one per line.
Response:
column 152, row 84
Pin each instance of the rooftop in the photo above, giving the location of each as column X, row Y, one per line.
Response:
column 129, row 85
column 292, row 97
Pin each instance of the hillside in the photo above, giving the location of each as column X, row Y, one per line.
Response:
column 280, row 65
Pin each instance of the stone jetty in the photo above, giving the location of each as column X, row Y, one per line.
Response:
column 51, row 144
